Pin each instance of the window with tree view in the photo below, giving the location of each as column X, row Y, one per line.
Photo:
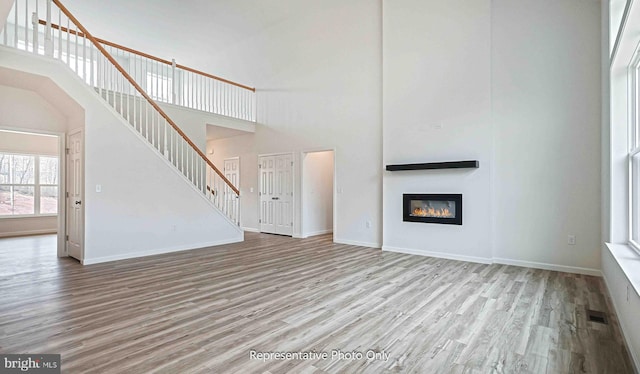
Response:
column 28, row 185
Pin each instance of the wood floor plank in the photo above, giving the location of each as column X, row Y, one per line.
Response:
column 203, row 311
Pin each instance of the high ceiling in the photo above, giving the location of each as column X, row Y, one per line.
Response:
column 191, row 31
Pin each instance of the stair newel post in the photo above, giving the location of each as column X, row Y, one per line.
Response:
column 34, row 23
column 174, row 85
column 237, row 208
column 255, row 106
column 48, row 41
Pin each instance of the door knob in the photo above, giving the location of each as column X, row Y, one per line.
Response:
column 78, row 202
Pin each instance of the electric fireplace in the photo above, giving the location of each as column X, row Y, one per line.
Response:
column 432, row 208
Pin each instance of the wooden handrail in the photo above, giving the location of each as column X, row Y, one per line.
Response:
column 143, row 93
column 214, row 77
column 150, row 57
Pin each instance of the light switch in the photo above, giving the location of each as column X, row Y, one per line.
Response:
column 98, row 188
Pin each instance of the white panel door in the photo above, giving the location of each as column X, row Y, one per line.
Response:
column 232, row 173
column 266, row 168
column 75, row 222
column 276, row 194
column 284, row 195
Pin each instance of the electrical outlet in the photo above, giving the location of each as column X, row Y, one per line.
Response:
column 368, row 224
column 174, row 227
column 571, row 240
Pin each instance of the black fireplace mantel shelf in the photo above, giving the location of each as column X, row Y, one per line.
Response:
column 471, row 164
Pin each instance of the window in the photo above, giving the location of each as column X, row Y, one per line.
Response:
column 634, row 152
column 28, row 185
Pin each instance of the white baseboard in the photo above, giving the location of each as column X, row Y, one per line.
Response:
column 353, row 242
column 316, row 233
column 545, row 266
column 503, row 261
column 125, row 256
column 447, row 256
column 250, row 229
column 26, row 233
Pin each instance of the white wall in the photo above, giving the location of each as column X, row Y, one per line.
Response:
column 145, row 207
column 144, row 202
column 515, row 85
column 29, row 143
column 25, row 109
column 546, row 114
column 317, row 193
column 441, row 81
column 5, row 8
column 319, row 75
column 28, row 226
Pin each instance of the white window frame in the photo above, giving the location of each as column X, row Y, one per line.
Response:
column 634, row 148
column 36, row 186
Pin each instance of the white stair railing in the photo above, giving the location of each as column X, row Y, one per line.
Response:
column 75, row 47
column 168, row 82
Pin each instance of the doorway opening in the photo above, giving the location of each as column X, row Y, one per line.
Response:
column 31, row 188
column 318, row 201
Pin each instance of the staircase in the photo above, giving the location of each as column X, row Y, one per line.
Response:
column 132, row 83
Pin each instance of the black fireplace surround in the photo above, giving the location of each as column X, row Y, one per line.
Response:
column 432, row 208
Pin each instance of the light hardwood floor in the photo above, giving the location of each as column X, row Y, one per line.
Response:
column 204, row 310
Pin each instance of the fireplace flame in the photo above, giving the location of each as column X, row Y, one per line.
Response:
column 432, row 212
